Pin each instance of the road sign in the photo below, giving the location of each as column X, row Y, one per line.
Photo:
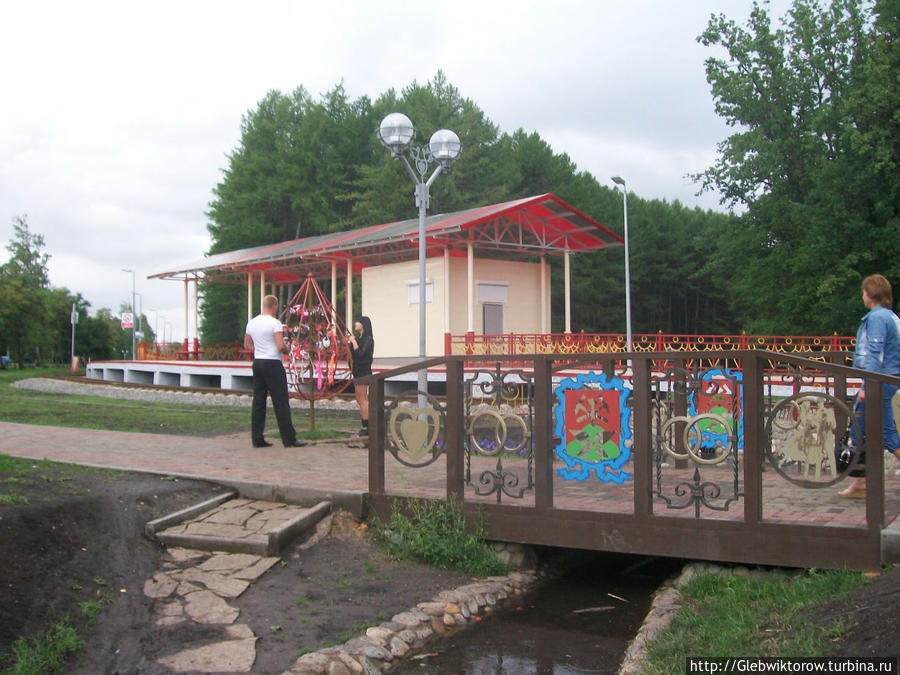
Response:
column 127, row 320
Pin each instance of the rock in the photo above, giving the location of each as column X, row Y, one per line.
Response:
column 228, row 656
column 207, row 607
column 432, row 608
column 399, row 648
column 352, row 664
column 227, row 587
column 160, row 586
column 229, row 562
column 255, row 571
column 338, row 668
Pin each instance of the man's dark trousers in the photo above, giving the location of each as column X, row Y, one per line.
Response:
column 269, row 378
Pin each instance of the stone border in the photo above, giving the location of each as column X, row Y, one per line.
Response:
column 385, row 645
column 152, row 527
column 666, row 604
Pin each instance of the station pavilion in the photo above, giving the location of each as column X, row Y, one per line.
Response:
column 486, row 271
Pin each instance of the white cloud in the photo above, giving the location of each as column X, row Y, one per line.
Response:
column 118, row 117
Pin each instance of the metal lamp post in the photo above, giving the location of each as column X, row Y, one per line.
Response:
column 396, row 133
column 618, row 180
column 132, row 312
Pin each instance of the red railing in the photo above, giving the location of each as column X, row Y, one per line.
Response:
column 549, row 343
column 606, row 343
column 195, row 351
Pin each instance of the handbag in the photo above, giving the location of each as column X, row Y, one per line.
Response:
column 849, row 456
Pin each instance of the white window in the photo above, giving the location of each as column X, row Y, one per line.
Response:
column 412, row 290
column 496, row 292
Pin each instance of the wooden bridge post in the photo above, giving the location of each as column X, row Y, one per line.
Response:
column 455, row 437
column 753, row 453
column 543, row 450
column 874, row 444
column 642, row 448
column 376, row 436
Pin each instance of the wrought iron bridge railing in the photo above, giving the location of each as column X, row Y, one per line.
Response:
column 611, row 343
column 721, row 456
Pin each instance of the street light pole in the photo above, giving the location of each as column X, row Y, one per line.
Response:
column 396, row 133
column 132, row 312
column 618, row 180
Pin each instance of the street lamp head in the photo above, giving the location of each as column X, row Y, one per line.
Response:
column 618, row 180
column 396, row 132
column 445, row 147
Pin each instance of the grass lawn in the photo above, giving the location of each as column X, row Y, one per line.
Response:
column 90, row 412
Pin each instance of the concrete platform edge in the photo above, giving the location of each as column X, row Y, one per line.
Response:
column 205, row 543
column 293, row 528
column 151, row 528
column 352, row 501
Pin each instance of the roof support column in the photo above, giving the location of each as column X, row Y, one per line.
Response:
column 186, row 324
column 470, row 288
column 544, row 294
column 568, row 293
column 262, row 288
column 446, row 290
column 196, row 312
column 333, row 291
column 349, row 310
column 249, row 295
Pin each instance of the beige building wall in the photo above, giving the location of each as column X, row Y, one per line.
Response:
column 395, row 320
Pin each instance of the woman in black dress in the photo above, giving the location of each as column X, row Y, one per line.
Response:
column 362, row 348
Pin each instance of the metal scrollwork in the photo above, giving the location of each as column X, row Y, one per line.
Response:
column 700, row 494
column 699, row 419
column 501, row 482
column 499, row 415
column 415, row 436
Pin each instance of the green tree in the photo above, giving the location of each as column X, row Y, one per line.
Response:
column 305, row 167
column 813, row 159
column 23, row 284
column 98, row 336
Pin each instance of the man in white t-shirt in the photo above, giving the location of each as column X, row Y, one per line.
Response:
column 264, row 336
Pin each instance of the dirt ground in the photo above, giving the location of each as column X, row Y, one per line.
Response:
column 79, row 539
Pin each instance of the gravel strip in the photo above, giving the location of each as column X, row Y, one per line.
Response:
column 153, row 395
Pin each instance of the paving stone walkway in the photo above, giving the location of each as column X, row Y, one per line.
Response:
column 195, row 587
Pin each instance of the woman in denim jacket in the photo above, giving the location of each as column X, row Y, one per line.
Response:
column 878, row 350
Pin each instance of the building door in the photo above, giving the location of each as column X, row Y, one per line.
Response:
column 493, row 319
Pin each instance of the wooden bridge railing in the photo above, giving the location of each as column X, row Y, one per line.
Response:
column 679, row 455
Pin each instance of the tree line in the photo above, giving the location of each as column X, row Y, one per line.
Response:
column 810, row 173
column 812, row 166
column 35, row 318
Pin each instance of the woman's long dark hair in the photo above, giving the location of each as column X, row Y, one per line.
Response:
column 367, row 326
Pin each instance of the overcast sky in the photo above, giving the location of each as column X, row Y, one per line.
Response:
column 117, row 116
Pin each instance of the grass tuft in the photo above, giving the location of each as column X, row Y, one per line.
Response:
column 47, row 652
column 436, row 533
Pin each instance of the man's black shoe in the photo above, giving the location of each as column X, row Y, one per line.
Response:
column 296, row 444
column 262, row 444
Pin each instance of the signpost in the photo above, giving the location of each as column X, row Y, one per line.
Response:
column 74, row 319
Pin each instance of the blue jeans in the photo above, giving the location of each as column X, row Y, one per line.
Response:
column 891, row 437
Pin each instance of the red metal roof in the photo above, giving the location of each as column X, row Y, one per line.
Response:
column 519, row 229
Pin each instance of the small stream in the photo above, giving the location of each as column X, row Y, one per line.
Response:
column 580, row 622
